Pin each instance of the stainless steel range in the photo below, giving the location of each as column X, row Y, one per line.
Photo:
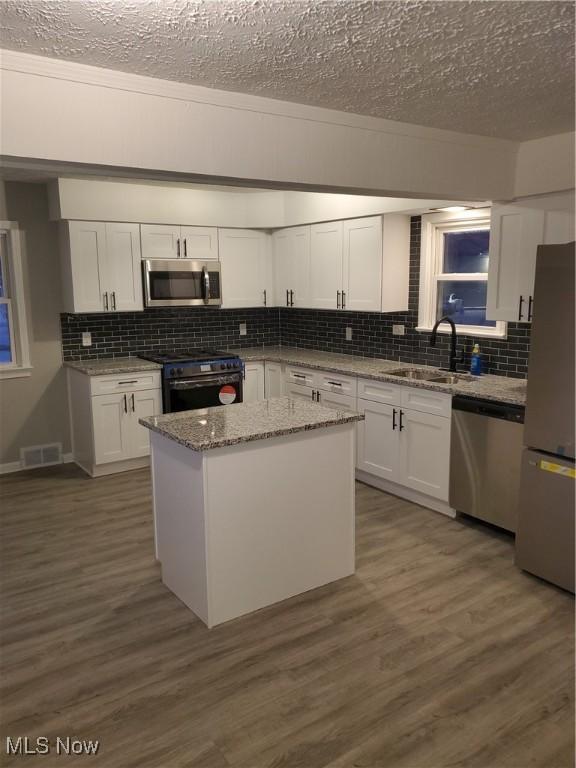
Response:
column 198, row 378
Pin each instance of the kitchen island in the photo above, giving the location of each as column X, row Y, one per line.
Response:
column 253, row 503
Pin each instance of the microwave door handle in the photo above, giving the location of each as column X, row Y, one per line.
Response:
column 206, row 284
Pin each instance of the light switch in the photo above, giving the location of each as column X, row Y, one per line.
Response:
column 348, row 334
column 243, row 330
column 86, row 339
column 398, row 330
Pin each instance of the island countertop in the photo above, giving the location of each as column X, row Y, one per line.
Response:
column 208, row 428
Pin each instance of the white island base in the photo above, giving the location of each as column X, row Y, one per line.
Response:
column 242, row 527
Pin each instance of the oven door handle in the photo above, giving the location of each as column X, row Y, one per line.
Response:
column 207, row 382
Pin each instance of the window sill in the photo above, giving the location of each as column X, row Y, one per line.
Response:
column 17, row 372
column 467, row 331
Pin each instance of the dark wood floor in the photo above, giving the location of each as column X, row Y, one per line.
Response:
column 438, row 652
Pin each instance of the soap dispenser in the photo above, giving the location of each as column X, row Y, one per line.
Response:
column 476, row 361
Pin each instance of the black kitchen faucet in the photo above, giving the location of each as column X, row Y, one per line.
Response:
column 453, row 356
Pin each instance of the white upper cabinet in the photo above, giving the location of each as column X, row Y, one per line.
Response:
column 199, row 243
column 516, row 231
column 291, row 250
column 166, row 241
column 362, row 265
column 83, row 254
column 245, row 268
column 326, row 266
column 123, row 265
column 101, row 267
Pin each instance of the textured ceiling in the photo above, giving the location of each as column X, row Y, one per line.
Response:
column 498, row 68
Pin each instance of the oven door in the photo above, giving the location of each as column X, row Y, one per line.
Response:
column 181, row 283
column 190, row 394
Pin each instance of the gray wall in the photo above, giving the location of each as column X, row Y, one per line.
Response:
column 34, row 410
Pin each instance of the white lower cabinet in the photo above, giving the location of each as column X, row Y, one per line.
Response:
column 273, row 380
column 406, row 441
column 377, row 451
column 104, row 412
column 336, row 400
column 299, row 392
column 253, row 387
column 424, row 458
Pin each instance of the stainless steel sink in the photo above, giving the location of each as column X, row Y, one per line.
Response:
column 449, row 379
column 412, row 373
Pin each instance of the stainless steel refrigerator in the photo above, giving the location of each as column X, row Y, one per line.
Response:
column 545, row 534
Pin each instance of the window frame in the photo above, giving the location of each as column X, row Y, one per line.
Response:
column 434, row 226
column 13, row 281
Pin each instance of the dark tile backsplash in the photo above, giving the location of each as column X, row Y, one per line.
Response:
column 130, row 333
column 118, row 334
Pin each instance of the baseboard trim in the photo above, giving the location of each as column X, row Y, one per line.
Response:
column 436, row 505
column 16, row 466
column 114, row 467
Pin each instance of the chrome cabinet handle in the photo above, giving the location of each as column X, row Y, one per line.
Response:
column 185, row 248
column 105, row 297
column 530, row 305
column 125, row 404
column 133, row 405
column 343, row 300
column 337, row 299
column 177, row 247
column 520, row 315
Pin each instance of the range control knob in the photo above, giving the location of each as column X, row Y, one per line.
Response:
column 222, row 366
column 180, row 371
column 229, row 365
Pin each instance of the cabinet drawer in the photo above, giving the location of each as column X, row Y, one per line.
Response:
column 337, row 383
column 304, row 376
column 426, row 401
column 379, row 391
column 130, row 382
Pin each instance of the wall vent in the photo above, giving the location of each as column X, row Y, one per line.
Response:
column 41, row 455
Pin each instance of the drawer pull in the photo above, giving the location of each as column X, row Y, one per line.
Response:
column 335, row 383
column 298, row 375
column 133, row 381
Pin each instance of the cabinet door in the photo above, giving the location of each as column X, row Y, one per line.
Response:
column 425, row 453
column 300, row 271
column 337, row 401
column 558, row 227
column 123, row 270
column 111, row 424
column 377, row 445
column 362, row 264
column 87, row 255
column 160, row 241
column 326, row 265
column 515, row 233
column 253, row 387
column 199, row 242
column 141, row 404
column 274, row 380
column 299, row 392
column 243, row 268
column 283, row 266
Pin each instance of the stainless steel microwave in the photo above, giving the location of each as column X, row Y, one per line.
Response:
column 181, row 283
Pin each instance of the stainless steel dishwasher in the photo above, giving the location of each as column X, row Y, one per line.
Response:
column 485, row 458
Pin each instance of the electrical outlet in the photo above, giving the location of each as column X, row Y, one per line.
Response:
column 86, row 339
column 243, row 330
column 398, row 330
column 348, row 334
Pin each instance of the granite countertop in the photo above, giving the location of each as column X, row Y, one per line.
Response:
column 209, row 428
column 488, row 387
column 112, row 365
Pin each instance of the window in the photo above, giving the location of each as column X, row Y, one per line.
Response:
column 14, row 356
column 454, row 273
